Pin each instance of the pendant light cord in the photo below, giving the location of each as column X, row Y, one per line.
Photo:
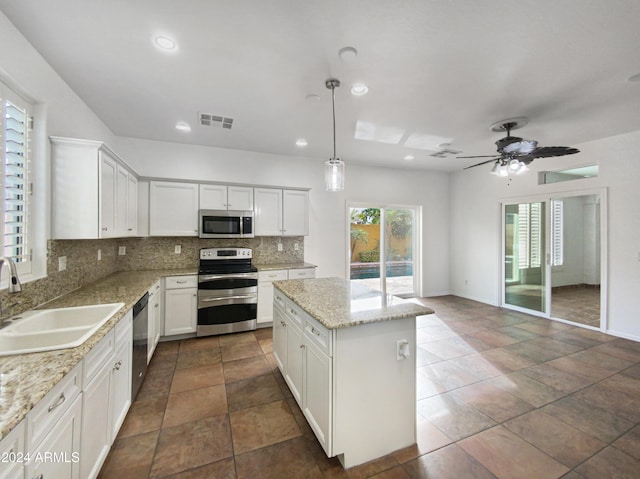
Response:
column 333, row 107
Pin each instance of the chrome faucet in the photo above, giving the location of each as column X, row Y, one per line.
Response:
column 14, row 281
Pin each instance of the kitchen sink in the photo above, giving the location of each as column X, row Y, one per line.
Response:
column 50, row 329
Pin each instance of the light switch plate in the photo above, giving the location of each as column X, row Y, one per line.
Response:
column 99, row 254
column 122, row 250
column 177, row 249
column 279, row 246
column 62, row 263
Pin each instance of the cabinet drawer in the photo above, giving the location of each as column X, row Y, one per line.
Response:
column 11, row 450
column 302, row 273
column 123, row 328
column 97, row 357
column 279, row 299
column 274, row 275
column 179, row 282
column 295, row 312
column 155, row 289
column 318, row 334
column 50, row 408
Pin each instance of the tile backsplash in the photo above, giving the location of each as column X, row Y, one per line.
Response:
column 83, row 266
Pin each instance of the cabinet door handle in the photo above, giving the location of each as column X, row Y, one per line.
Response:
column 283, row 324
column 118, row 365
column 40, row 476
column 157, row 305
column 58, row 402
column 181, row 282
column 104, row 229
column 129, row 229
column 302, row 346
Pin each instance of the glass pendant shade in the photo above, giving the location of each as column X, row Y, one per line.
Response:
column 334, row 174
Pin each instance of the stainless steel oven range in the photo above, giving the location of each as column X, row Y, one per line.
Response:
column 227, row 291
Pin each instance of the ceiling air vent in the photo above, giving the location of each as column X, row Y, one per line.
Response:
column 207, row 119
column 444, row 153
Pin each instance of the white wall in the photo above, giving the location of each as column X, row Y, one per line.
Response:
column 326, row 244
column 475, row 224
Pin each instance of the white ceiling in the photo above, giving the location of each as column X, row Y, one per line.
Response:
column 446, row 69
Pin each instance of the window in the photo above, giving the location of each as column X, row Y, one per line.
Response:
column 529, row 235
column 15, row 184
column 557, row 234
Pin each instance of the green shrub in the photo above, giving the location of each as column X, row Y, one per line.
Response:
column 370, row 256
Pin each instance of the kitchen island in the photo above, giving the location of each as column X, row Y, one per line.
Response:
column 347, row 353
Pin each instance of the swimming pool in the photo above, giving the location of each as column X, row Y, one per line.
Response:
column 372, row 270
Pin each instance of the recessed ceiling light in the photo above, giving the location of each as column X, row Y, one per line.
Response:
column 165, row 43
column 182, row 126
column 301, row 142
column 359, row 89
column 312, row 98
column 634, row 78
column 347, row 54
column 409, row 157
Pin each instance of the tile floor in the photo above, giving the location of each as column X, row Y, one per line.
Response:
column 500, row 395
column 577, row 304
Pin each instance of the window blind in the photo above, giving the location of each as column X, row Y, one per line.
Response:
column 529, row 235
column 557, row 233
column 15, row 177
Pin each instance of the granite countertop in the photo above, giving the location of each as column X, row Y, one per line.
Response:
column 274, row 266
column 339, row 303
column 26, row 378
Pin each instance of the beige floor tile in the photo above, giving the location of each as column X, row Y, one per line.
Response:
column 492, row 401
column 224, row 469
column 261, row 426
column 508, row 456
column 198, row 357
column 246, row 368
column 192, row 445
column 241, row 350
column 610, row 462
column 195, row 404
column 564, row 443
column 630, row 443
column 130, row 457
column 253, row 392
column 450, row 462
column 556, row 378
column 429, row 438
column 144, row 416
column 198, row 377
column 527, row 389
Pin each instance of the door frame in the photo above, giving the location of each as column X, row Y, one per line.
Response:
column 417, row 241
column 604, row 225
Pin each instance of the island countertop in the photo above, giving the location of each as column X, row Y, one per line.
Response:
column 339, row 303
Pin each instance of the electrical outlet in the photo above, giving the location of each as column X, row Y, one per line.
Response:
column 177, row 249
column 99, row 254
column 279, row 246
column 296, row 246
column 62, row 263
column 122, row 250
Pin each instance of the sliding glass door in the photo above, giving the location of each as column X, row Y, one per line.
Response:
column 382, row 248
column 524, row 256
column 553, row 249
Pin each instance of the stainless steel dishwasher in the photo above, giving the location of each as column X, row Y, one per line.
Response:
column 140, row 339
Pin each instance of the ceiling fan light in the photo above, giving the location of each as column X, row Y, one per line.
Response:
column 522, row 169
column 334, row 174
column 514, row 165
column 496, row 169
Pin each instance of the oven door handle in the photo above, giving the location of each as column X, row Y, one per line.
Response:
column 225, row 298
column 209, row 277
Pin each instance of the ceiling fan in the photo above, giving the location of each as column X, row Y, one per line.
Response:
column 514, row 153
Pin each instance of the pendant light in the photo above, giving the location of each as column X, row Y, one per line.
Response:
column 334, row 166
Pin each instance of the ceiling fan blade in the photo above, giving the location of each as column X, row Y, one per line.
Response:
column 550, row 151
column 482, row 163
column 480, row 156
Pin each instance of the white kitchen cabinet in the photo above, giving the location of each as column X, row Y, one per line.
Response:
column 265, row 289
column 89, row 191
column 108, row 191
column 12, row 452
column 356, row 393
column 63, row 442
column 120, row 394
column 279, row 336
column 154, row 319
column 54, row 427
column 173, row 208
column 180, row 305
column 223, row 197
column 132, row 205
column 295, row 213
column 281, row 212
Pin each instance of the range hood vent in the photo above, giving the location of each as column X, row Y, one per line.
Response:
column 208, row 119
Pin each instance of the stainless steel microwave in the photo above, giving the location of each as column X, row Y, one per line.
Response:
column 225, row 224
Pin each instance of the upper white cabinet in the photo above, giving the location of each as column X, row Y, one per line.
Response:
column 79, row 168
column 173, row 208
column 223, row 197
column 281, row 212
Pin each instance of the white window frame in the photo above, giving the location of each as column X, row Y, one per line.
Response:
column 24, row 262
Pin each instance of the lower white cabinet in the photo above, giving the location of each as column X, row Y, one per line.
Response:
column 69, row 432
column 154, row 319
column 180, row 305
column 58, row 454
column 356, row 393
column 265, row 288
column 12, row 453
